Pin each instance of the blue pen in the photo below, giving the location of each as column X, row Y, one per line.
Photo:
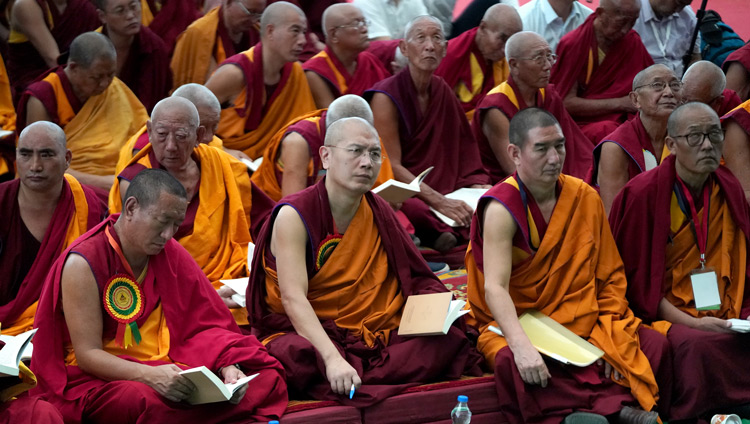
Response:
column 351, row 391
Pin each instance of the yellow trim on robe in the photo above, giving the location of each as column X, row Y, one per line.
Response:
column 7, row 110
column 194, row 50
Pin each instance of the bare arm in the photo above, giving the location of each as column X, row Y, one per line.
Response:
column 738, row 79
column 35, row 111
column 669, row 312
column 81, row 295
column 288, row 241
column 226, row 83
column 321, row 91
column 101, row 181
column 737, row 154
column 495, row 127
column 579, row 107
column 612, row 174
column 28, row 18
column 295, row 155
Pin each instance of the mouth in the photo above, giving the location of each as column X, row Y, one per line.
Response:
column 35, row 178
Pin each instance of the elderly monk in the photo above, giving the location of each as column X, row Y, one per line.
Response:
column 548, row 247
column 43, row 212
column 530, row 59
column 597, row 62
column 142, row 57
column 223, row 32
column 706, row 83
column 343, row 67
column 737, row 68
column 421, row 124
column 127, row 309
column 97, row 111
column 336, row 244
column 475, row 61
column 264, row 87
column 217, row 226
column 637, row 145
column 40, row 31
column 293, row 162
column 685, row 221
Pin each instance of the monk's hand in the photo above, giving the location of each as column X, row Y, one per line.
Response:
column 531, row 366
column 456, row 210
column 609, row 370
column 226, row 295
column 484, row 186
column 341, row 375
column 716, row 325
column 168, row 382
column 231, row 374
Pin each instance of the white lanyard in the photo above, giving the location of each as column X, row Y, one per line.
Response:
column 662, row 46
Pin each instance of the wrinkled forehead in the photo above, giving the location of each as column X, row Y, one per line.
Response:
column 426, row 27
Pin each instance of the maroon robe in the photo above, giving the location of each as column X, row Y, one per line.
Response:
column 314, row 133
column 731, row 101
column 577, row 146
column 24, row 261
column 29, row 410
column 146, row 71
column 249, row 38
column 43, row 91
column 385, row 51
column 209, row 337
column 741, row 55
column 384, row 370
column 612, row 78
column 173, row 17
column 368, row 72
column 739, row 115
column 632, row 137
column 441, row 138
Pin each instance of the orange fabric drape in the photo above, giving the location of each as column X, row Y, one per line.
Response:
column 194, row 50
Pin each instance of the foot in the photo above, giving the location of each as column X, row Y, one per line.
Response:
column 630, row 415
column 438, row 267
column 584, row 418
column 445, row 242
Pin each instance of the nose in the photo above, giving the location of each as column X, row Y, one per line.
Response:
column 553, row 157
column 36, row 163
column 168, row 232
column 170, row 143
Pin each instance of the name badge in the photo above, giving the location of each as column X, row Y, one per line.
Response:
column 705, row 289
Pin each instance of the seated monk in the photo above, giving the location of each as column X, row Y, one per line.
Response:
column 293, row 162
column 475, row 61
column 7, row 123
column 43, row 212
column 40, row 31
column 706, row 83
column 220, row 216
column 548, row 248
column 530, row 59
column 264, row 87
column 221, row 33
column 656, row 220
column 597, row 62
column 737, row 68
column 335, row 269
column 95, row 109
column 100, row 361
column 737, row 144
column 142, row 57
column 344, row 66
column 421, row 124
column 18, row 408
column 637, row 145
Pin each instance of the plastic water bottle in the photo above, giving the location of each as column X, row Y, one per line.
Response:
column 461, row 413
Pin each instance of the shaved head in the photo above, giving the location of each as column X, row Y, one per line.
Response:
column 643, row 77
column 44, row 129
column 335, row 15
column 525, row 121
column 500, row 22
column 277, row 13
column 704, row 81
column 503, row 15
column 90, row 46
column 419, row 19
column 342, row 130
column 349, row 106
column 518, row 44
column 148, row 185
column 199, row 95
column 620, row 4
column 176, row 105
column 677, row 118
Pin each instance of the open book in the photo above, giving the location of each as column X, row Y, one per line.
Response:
column 396, row 191
column 740, row 325
column 430, row 314
column 469, row 195
column 252, row 165
column 17, row 348
column 209, row 388
column 554, row 340
column 239, row 285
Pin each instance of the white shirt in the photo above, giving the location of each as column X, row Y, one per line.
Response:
column 388, row 19
column 538, row 16
column 667, row 39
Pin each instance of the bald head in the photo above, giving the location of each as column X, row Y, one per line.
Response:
column 418, row 21
column 518, row 44
column 176, row 106
column 336, row 15
column 200, row 96
column 90, row 46
column 42, row 158
column 685, row 114
column 277, row 13
column 703, row 82
column 349, row 106
column 645, row 76
column 44, row 129
column 500, row 22
column 343, row 129
column 149, row 184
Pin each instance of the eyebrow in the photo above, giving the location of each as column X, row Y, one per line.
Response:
column 27, row 150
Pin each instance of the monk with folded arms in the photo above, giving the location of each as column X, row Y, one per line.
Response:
column 217, row 226
column 126, row 308
column 43, row 212
column 706, row 83
column 540, row 241
column 263, row 88
column 637, row 145
column 597, row 62
column 681, row 226
column 421, row 124
column 334, row 270
column 97, row 111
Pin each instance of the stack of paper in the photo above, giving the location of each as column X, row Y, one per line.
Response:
column 470, row 196
column 740, row 325
column 239, row 285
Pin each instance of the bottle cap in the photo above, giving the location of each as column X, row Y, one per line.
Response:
column 463, row 398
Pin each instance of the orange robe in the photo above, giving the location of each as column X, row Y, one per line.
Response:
column 8, row 123
column 256, row 116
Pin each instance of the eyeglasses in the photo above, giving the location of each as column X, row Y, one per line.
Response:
column 134, row 7
column 696, row 138
column 660, row 86
column 356, row 152
column 358, row 24
column 541, row 58
column 255, row 16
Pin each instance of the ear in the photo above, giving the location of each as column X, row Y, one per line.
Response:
column 68, row 158
column 515, row 153
column 201, row 131
column 634, row 99
column 402, row 47
column 325, row 156
column 671, row 144
column 131, row 205
column 149, row 129
column 101, row 15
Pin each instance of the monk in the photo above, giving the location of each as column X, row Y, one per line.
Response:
column 23, row 409
column 737, row 144
column 43, row 212
column 119, row 359
column 97, row 111
column 142, row 57
column 293, row 162
column 344, row 66
column 263, row 88
column 656, row 220
column 475, row 61
column 7, row 123
column 598, row 61
column 548, row 248
column 39, row 31
column 530, row 59
column 637, row 145
column 737, row 68
column 223, row 32
column 421, row 124
column 335, row 269
column 705, row 82
column 217, row 227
